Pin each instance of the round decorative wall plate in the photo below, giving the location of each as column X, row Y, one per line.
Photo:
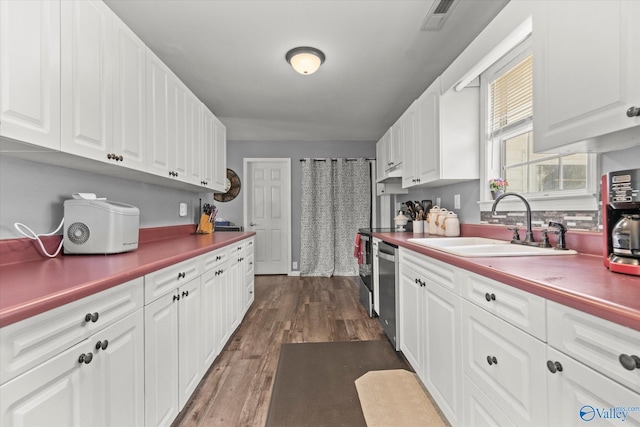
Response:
column 232, row 188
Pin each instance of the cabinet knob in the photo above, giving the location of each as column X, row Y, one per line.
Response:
column 633, row 111
column 91, row 317
column 176, row 298
column 490, row 297
column 491, row 360
column 554, row 367
column 102, row 345
column 629, row 362
column 185, row 294
column 85, row 358
column 182, row 275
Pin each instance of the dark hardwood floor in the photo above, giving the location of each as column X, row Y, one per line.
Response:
column 237, row 389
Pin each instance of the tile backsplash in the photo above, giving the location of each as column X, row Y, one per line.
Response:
column 573, row 220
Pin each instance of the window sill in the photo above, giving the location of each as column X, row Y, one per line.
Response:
column 580, row 202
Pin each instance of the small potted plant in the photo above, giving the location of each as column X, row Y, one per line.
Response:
column 497, row 187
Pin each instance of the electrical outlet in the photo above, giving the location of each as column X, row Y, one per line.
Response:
column 456, row 201
column 438, row 201
column 295, row 265
column 183, row 209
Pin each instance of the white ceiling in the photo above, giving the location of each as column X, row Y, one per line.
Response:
column 230, row 53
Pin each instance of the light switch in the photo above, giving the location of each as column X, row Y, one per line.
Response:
column 183, row 209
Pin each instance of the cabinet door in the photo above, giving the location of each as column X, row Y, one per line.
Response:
column 506, row 364
column 86, row 85
column 129, row 97
column 578, row 394
column 381, row 159
column 161, row 361
column 235, row 280
column 189, row 336
column 410, row 147
column 194, row 139
column 209, row 341
column 411, row 326
column 584, row 79
column 179, row 160
column 223, row 308
column 394, row 146
column 56, row 391
column 160, row 102
column 219, row 159
column 208, row 148
column 479, row 410
column 118, row 390
column 30, row 72
column 443, row 350
column 428, row 135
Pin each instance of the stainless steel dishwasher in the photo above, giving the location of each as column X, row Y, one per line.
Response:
column 388, row 280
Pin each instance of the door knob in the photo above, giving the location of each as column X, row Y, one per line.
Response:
column 253, row 224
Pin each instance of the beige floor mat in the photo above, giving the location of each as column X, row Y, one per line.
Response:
column 396, row 398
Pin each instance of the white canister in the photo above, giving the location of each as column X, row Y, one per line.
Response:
column 451, row 224
column 431, row 220
column 439, row 221
column 418, row 227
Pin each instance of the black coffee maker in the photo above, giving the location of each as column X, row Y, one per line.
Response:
column 621, row 221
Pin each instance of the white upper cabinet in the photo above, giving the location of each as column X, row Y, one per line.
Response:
column 394, row 146
column 586, row 67
column 86, row 84
column 129, row 97
column 30, row 73
column 447, row 136
column 214, row 152
column 410, row 149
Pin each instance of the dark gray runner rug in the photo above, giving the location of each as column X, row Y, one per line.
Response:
column 314, row 384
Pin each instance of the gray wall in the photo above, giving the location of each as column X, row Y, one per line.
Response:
column 237, row 151
column 33, row 194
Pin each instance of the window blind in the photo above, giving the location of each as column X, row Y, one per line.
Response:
column 511, row 97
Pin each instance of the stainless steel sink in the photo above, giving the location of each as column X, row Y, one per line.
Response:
column 483, row 247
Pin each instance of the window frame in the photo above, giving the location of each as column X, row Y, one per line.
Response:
column 491, row 151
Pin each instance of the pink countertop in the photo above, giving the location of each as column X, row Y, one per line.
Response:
column 580, row 281
column 33, row 287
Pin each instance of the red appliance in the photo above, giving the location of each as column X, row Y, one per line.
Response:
column 621, row 221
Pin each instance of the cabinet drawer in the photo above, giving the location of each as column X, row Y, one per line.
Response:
column 32, row 341
column 437, row 271
column 596, row 342
column 522, row 309
column 506, row 364
column 162, row 281
column 578, row 394
column 213, row 259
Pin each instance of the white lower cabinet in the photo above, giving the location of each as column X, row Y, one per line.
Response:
column 172, row 356
column 506, row 364
column 98, row 382
column 430, row 331
column 577, row 394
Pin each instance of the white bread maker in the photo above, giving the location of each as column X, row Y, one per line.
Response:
column 99, row 227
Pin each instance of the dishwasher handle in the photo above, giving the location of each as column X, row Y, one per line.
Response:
column 387, row 256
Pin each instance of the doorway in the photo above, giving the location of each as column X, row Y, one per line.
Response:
column 267, row 212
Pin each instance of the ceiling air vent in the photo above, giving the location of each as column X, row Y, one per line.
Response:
column 438, row 13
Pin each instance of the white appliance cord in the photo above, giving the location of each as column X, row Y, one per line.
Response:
column 33, row 236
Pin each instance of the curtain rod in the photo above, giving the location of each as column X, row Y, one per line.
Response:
column 335, row 160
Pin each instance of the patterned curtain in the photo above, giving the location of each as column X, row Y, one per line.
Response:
column 336, row 202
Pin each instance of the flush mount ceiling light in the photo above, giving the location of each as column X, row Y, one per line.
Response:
column 305, row 60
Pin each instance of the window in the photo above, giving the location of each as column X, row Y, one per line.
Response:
column 507, row 94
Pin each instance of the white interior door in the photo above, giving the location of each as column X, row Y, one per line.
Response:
column 268, row 212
